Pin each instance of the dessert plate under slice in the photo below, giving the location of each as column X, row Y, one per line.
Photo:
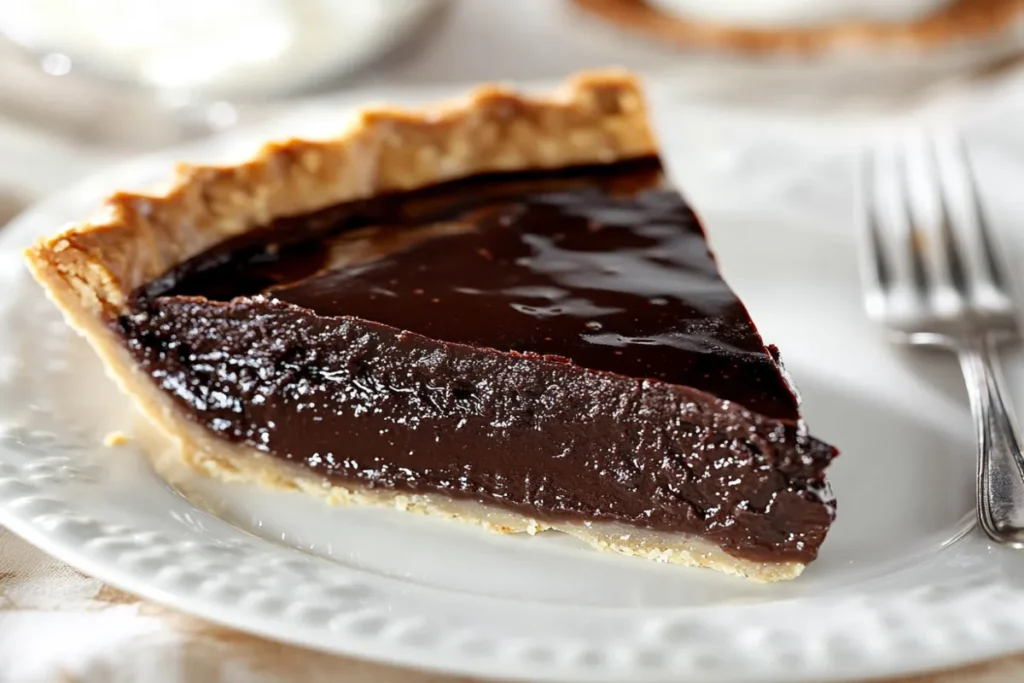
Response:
column 902, row 583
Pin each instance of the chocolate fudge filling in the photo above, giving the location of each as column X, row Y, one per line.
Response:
column 557, row 343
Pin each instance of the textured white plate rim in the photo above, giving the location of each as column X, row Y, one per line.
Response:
column 23, row 516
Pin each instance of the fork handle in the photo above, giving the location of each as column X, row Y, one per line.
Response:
column 1000, row 484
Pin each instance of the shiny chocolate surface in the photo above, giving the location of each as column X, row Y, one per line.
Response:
column 608, row 271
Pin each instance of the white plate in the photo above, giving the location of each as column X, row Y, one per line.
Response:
column 898, row 587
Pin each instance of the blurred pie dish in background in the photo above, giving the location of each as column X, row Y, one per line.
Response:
column 222, row 48
column 811, row 27
column 180, row 70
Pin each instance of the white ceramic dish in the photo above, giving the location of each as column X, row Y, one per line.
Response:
column 219, row 49
column 902, row 583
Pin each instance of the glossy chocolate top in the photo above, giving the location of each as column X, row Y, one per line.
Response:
column 604, row 268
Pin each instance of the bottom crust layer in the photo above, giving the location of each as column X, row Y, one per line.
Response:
column 244, row 465
column 210, row 455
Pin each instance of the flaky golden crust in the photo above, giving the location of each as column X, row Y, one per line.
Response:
column 962, row 19
column 596, row 117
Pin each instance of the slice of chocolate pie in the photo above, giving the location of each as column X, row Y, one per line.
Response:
column 497, row 311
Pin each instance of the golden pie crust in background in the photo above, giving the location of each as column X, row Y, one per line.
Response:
column 962, row 20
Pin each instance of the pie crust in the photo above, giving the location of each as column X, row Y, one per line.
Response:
column 91, row 269
column 963, row 19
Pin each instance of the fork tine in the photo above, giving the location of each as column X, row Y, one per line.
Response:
column 930, row 229
column 890, row 217
column 873, row 270
column 970, row 233
column 991, row 258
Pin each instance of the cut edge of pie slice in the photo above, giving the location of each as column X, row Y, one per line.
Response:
column 92, row 270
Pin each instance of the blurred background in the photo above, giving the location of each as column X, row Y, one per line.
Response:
column 86, row 83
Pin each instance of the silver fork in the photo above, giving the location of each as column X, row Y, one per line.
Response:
column 932, row 277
